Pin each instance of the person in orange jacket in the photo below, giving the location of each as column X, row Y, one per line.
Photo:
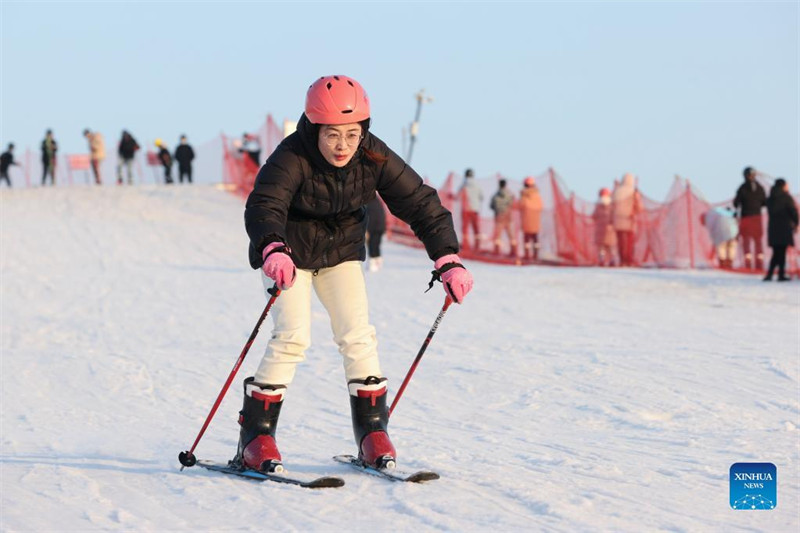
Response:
column 530, row 208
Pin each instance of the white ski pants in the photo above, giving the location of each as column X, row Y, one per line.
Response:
column 343, row 293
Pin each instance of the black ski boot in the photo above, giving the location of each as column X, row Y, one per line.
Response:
column 370, row 420
column 258, row 420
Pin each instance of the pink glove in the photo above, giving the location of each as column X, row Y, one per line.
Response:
column 457, row 280
column 278, row 266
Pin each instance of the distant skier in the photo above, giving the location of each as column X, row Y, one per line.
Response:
column 750, row 199
column 97, row 152
column 6, row 160
column 166, row 160
column 502, row 204
column 126, row 151
column 471, row 198
column 184, row 155
column 252, row 147
column 782, row 226
column 605, row 238
column 306, row 219
column 530, row 210
column 627, row 204
column 49, row 149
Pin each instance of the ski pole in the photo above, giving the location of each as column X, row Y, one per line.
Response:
column 425, row 344
column 187, row 458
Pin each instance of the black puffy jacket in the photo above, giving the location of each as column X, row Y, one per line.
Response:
column 782, row 218
column 750, row 198
column 319, row 210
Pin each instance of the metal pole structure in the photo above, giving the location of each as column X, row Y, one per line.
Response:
column 420, row 96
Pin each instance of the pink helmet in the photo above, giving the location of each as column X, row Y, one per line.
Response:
column 336, row 100
column 529, row 182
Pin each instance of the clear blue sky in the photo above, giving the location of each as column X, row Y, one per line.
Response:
column 593, row 89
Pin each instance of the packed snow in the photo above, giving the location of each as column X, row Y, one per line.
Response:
column 554, row 399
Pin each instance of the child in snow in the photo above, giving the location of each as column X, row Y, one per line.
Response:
column 306, row 219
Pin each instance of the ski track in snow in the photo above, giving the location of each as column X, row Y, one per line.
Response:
column 554, row 399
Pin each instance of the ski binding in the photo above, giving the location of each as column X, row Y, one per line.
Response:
column 387, row 473
column 323, row 482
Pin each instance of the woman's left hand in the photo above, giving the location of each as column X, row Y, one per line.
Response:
column 456, row 280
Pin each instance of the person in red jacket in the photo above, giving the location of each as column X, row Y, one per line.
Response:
column 306, row 219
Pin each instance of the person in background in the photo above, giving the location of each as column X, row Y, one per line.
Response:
column 166, row 160
column 750, row 198
column 376, row 227
column 781, row 227
column 605, row 238
column 723, row 229
column 471, row 198
column 97, row 152
column 530, row 208
column 49, row 149
column 252, row 147
column 502, row 204
column 307, row 236
column 6, row 160
column 126, row 151
column 627, row 204
column 184, row 155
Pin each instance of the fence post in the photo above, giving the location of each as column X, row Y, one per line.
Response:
column 691, row 225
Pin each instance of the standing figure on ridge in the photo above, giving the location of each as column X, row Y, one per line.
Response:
column 530, row 208
column 166, row 160
column 471, row 198
column 184, row 155
column 252, row 147
column 126, row 152
column 502, row 204
column 749, row 200
column 782, row 226
column 627, row 204
column 49, row 149
column 306, row 219
column 97, row 152
column 605, row 238
column 6, row 160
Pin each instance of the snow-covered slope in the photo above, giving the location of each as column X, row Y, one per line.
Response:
column 553, row 399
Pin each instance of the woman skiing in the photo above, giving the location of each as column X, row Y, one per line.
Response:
column 306, row 221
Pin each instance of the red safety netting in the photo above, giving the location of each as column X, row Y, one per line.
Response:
column 668, row 234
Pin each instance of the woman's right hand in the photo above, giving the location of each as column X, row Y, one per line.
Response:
column 278, row 265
